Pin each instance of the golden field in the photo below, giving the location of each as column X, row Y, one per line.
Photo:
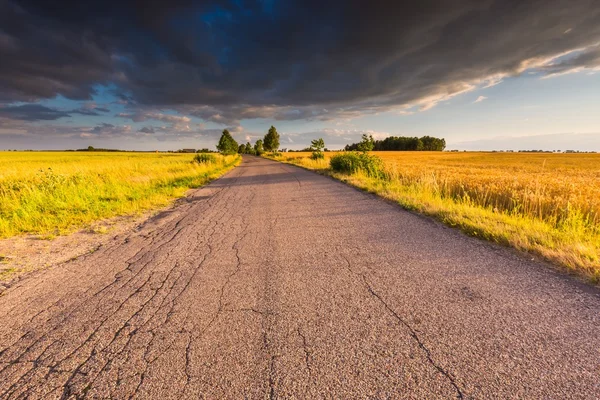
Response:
column 49, row 193
column 544, row 203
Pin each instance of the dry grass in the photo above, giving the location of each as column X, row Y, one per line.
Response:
column 50, row 193
column 548, row 204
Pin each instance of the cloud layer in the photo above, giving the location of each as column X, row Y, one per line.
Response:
column 286, row 59
column 226, row 61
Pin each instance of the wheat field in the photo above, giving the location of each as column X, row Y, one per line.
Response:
column 545, row 203
column 50, row 193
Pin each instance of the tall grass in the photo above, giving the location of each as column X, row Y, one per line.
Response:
column 548, row 204
column 54, row 193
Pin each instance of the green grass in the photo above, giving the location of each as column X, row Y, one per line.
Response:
column 50, row 193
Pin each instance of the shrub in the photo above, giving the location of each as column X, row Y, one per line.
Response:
column 351, row 162
column 345, row 162
column 205, row 158
column 317, row 155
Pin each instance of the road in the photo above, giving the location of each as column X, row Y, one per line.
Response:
column 275, row 282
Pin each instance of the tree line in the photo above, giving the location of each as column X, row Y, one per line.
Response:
column 270, row 143
column 403, row 143
column 228, row 145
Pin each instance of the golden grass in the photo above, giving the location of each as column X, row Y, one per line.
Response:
column 49, row 193
column 548, row 204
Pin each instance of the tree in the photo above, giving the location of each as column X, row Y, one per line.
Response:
column 367, row 143
column 258, row 147
column 249, row 149
column 242, row 149
column 227, row 144
column 317, row 147
column 433, row 144
column 271, row 141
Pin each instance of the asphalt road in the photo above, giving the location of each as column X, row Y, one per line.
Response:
column 275, row 282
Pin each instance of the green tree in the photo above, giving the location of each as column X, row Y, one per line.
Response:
column 227, row 144
column 367, row 143
column 242, row 149
column 258, row 147
column 317, row 146
column 271, row 142
column 249, row 149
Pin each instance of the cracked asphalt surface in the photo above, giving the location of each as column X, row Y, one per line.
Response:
column 275, row 282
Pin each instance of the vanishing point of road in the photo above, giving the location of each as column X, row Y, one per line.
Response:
column 275, row 282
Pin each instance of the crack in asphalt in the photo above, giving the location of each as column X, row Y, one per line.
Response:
column 307, row 354
column 413, row 334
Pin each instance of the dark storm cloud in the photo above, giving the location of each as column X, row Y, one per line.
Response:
column 228, row 60
column 44, row 55
column 38, row 112
column 32, row 112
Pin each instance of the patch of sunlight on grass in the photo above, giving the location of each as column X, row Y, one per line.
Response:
column 50, row 193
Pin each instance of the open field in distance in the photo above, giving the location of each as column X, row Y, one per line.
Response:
column 544, row 203
column 49, row 193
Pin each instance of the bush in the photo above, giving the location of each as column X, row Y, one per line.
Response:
column 351, row 162
column 205, row 158
column 276, row 154
column 317, row 155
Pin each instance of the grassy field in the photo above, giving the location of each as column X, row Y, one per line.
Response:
column 548, row 204
column 50, row 193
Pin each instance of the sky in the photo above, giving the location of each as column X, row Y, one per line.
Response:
column 156, row 75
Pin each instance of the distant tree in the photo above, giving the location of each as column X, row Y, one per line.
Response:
column 401, row 143
column 366, row 144
column 249, row 149
column 227, row 144
column 271, row 141
column 90, row 148
column 317, row 147
column 433, row 144
column 258, row 147
column 317, row 144
column 242, row 149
